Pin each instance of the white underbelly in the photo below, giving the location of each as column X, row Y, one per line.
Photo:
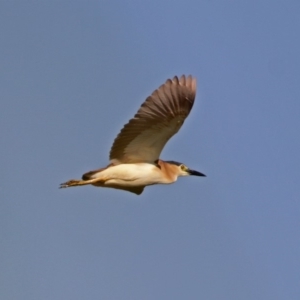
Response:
column 141, row 174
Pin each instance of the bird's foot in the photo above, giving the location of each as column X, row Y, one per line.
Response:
column 69, row 183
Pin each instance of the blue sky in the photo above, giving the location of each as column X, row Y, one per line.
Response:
column 73, row 73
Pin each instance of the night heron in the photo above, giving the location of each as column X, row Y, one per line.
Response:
column 134, row 156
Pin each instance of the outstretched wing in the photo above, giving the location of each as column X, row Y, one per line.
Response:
column 158, row 119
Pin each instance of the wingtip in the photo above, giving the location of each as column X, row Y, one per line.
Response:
column 187, row 80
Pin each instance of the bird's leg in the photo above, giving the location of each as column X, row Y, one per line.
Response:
column 74, row 182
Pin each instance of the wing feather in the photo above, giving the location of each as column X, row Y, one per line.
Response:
column 158, row 119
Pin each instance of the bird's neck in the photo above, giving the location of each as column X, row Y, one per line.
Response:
column 167, row 172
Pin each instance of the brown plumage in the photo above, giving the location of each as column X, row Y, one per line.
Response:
column 158, row 119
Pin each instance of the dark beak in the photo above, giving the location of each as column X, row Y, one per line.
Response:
column 196, row 173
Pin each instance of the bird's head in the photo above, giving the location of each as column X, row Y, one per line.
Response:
column 183, row 170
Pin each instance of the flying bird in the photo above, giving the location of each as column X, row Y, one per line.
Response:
column 134, row 156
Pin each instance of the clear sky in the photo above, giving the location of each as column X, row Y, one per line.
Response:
column 72, row 73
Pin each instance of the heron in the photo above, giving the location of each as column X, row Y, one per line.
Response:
column 134, row 155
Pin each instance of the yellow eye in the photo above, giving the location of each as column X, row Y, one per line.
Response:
column 183, row 167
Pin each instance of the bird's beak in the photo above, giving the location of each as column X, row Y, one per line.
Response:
column 196, row 173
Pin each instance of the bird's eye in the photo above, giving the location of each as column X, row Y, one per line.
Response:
column 183, row 167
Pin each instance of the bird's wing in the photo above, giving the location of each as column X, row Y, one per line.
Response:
column 158, row 119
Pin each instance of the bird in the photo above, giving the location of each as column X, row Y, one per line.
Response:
column 135, row 154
